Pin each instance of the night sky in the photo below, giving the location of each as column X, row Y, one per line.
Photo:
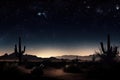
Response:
column 58, row 27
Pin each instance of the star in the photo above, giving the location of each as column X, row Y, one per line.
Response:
column 117, row 7
column 84, row 2
column 114, row 16
column 88, row 7
column 100, row 11
column 42, row 14
column 39, row 13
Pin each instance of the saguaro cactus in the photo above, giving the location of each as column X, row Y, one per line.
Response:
column 110, row 53
column 93, row 58
column 18, row 50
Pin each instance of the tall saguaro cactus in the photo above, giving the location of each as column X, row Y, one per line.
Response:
column 18, row 50
column 110, row 53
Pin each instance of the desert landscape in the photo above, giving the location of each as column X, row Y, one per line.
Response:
column 59, row 39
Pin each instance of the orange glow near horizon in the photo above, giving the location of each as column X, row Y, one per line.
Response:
column 52, row 52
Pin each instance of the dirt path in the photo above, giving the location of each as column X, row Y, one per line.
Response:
column 60, row 74
column 57, row 74
column 23, row 69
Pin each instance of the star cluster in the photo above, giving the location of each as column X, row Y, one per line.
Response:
column 57, row 10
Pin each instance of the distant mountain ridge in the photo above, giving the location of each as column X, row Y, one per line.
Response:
column 13, row 56
column 71, row 57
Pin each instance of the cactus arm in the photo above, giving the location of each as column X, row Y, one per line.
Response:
column 102, row 47
column 19, row 44
column 24, row 50
column 15, row 49
column 108, row 42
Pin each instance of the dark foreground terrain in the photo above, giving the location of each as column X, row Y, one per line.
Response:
column 59, row 71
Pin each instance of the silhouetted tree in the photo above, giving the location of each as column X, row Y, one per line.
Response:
column 19, row 52
column 109, row 54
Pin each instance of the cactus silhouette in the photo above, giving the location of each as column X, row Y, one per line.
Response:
column 93, row 58
column 18, row 50
column 110, row 53
column 77, row 59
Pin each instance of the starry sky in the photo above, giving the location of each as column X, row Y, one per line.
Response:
column 58, row 27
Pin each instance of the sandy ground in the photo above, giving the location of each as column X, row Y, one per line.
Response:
column 57, row 74
column 60, row 74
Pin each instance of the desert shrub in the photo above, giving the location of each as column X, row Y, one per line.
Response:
column 72, row 68
column 11, row 71
column 37, row 71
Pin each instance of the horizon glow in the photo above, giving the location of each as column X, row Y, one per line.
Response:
column 46, row 52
